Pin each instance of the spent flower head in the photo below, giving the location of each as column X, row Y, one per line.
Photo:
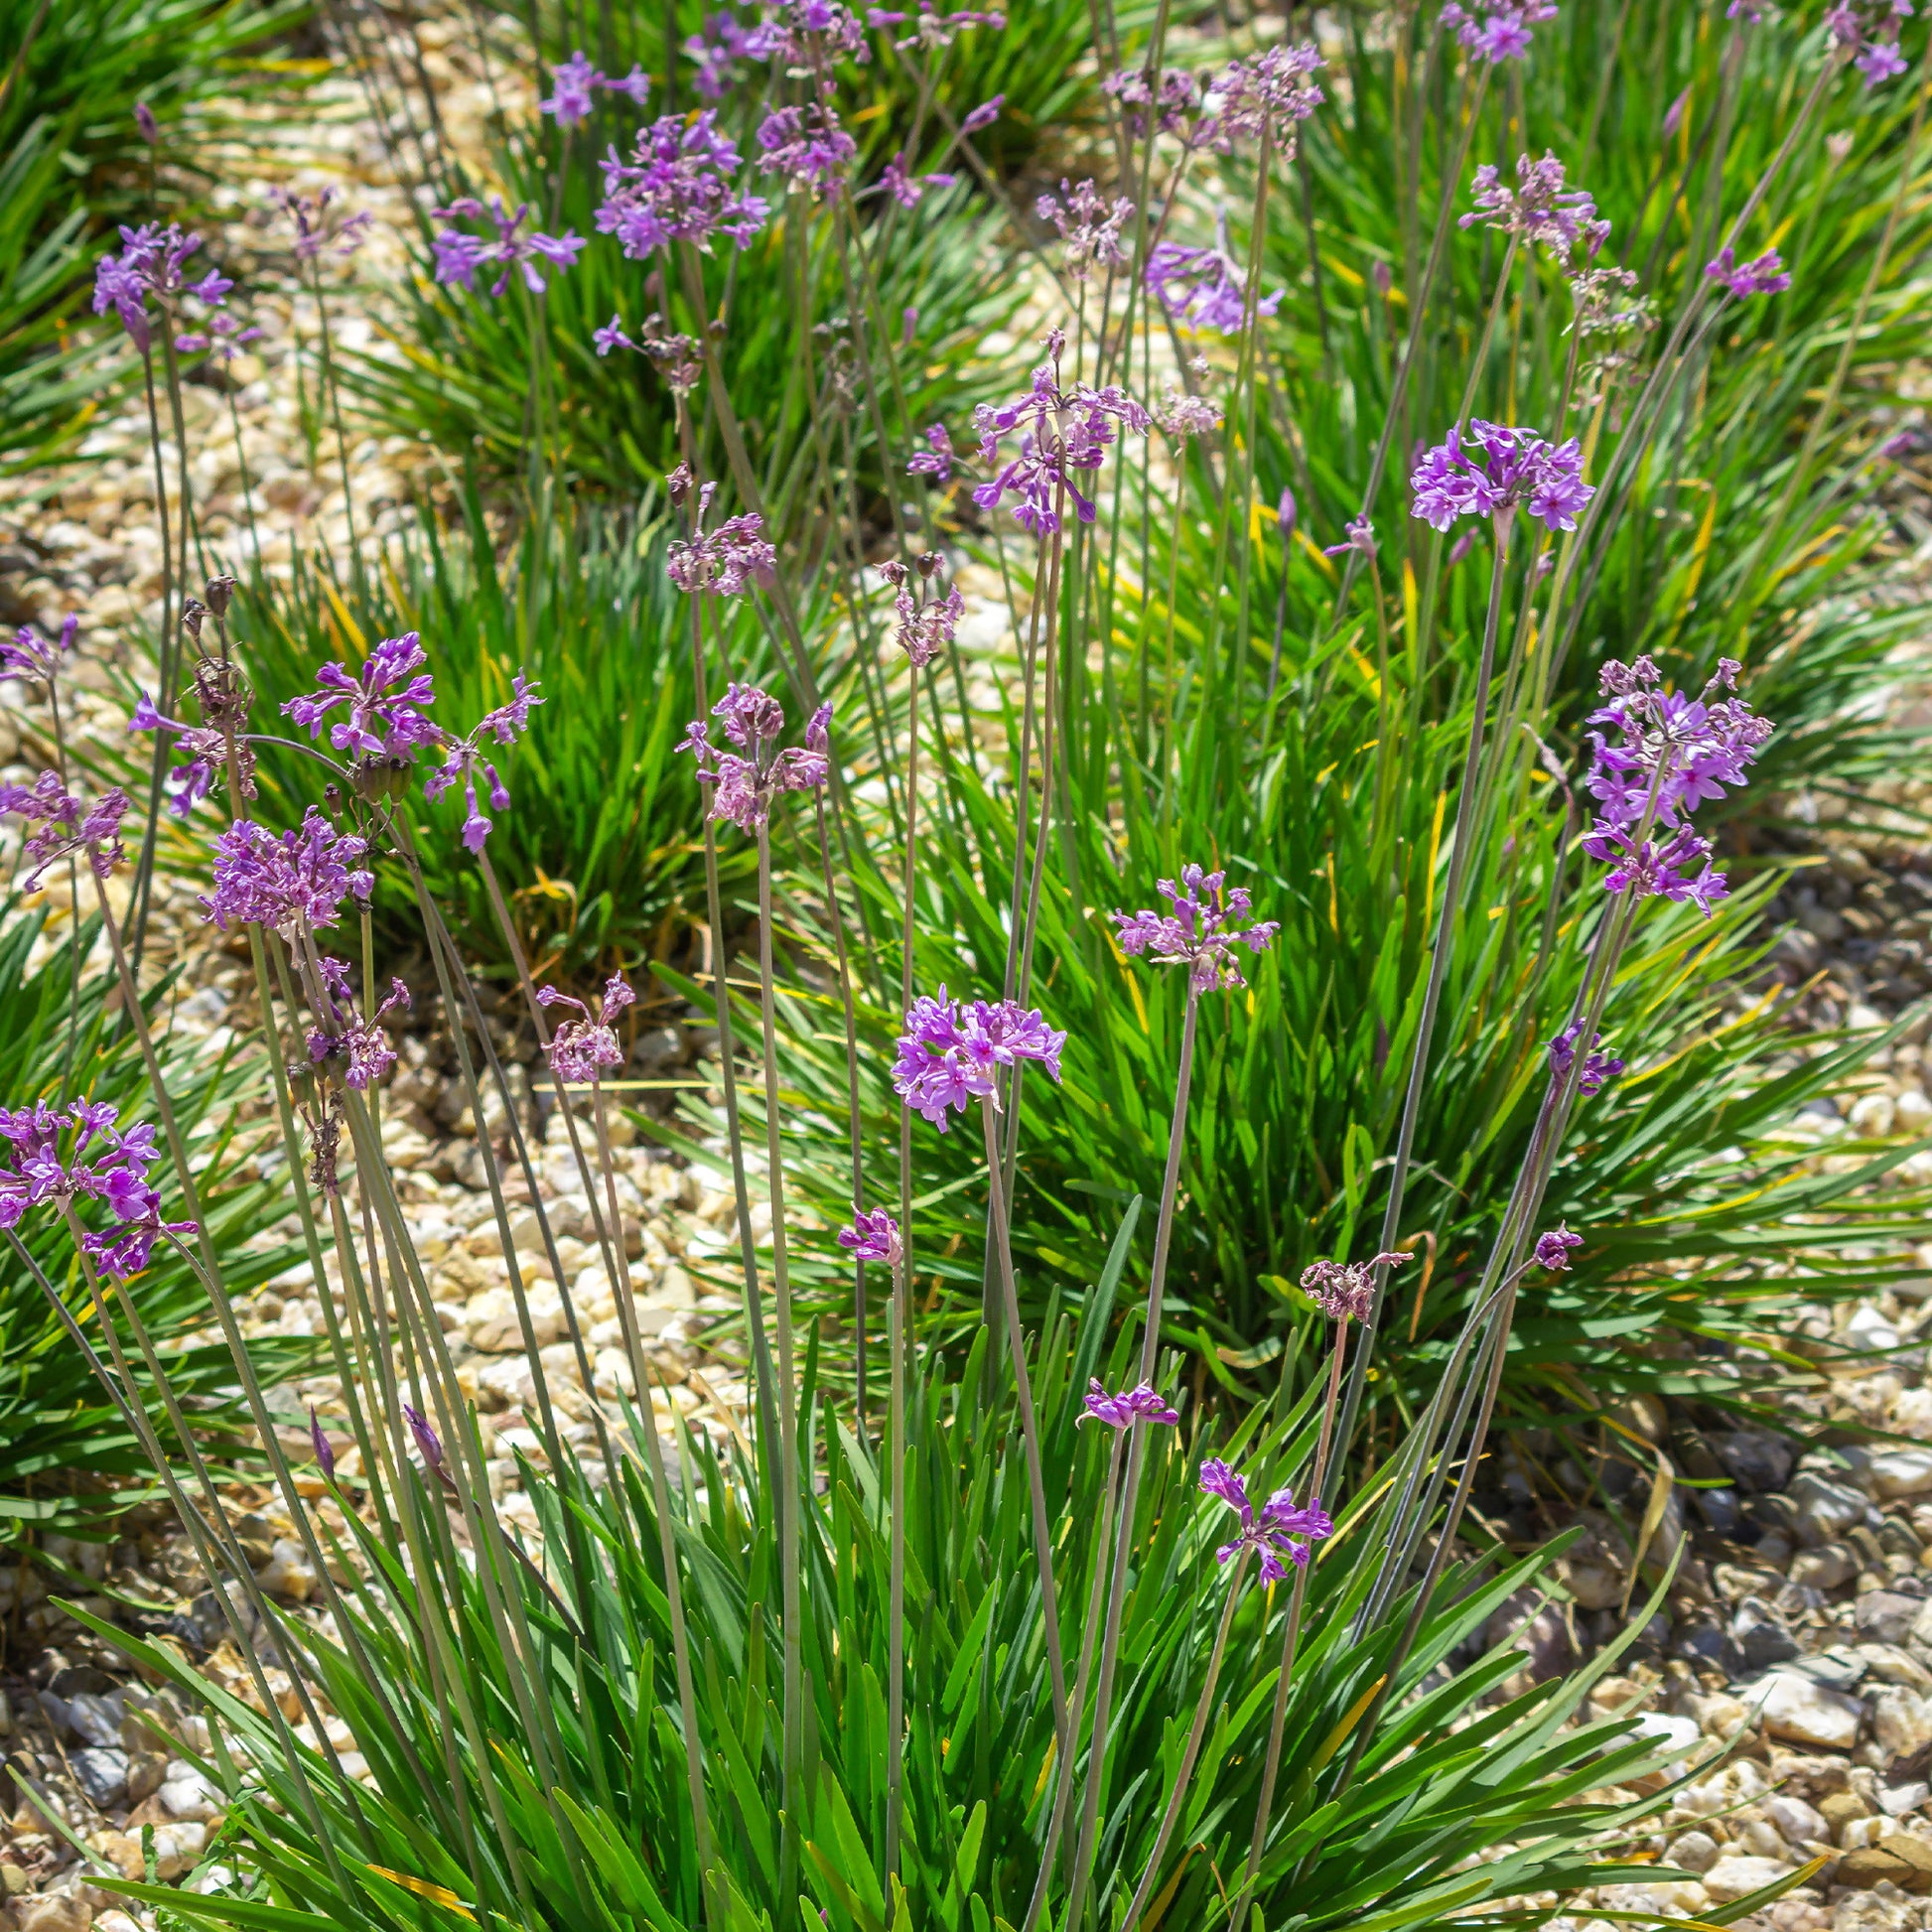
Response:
column 1499, row 469
column 677, row 359
column 1277, row 1529
column 950, row 1055
column 1345, row 1290
column 1089, row 225
column 1204, row 922
column 928, row 620
column 37, row 660
column 725, row 561
column 745, row 782
column 319, row 223
column 355, row 1049
column 1169, row 101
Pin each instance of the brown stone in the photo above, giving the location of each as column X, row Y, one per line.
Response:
column 1906, row 1861
column 1841, row 1807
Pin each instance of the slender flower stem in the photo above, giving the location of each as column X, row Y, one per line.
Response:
column 1439, row 962
column 1136, row 1455
column 1029, row 1422
column 790, row 1492
column 1196, row 1731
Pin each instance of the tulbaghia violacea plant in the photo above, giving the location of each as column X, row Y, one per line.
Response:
column 926, row 620
column 1089, row 225
column 512, row 250
column 677, row 186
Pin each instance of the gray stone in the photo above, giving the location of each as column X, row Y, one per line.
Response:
column 103, row 1774
column 1761, row 1636
column 1808, row 1713
column 97, row 1720
column 1694, row 1852
column 1826, row 1509
column 1902, row 1472
column 1886, row 1616
column 1755, row 1458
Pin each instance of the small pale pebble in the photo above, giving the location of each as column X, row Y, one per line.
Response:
column 1733, row 1876
column 1694, row 1851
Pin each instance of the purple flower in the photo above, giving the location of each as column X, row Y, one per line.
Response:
column 581, row 1048
column 206, row 751
column 1169, row 102
column 1538, row 207
column 225, row 335
column 61, row 823
column 98, row 1162
column 676, row 187
column 983, row 116
column 677, row 358
column 1763, row 276
column 1274, row 90
column 1090, row 226
column 460, row 255
column 360, row 1045
column 1061, row 432
column 151, row 263
column 1204, row 287
column 872, row 1237
column 324, row 1450
column 1506, row 467
column 145, row 122
column 1183, row 416
column 316, row 228
column 1496, row 30
column 1130, row 1406
column 1358, row 536
column 937, row 459
column 745, row 782
column 927, row 622
column 1681, row 751
column 1597, row 1067
column 571, row 104
column 809, row 33
column 388, row 701
column 1201, row 928
column 1345, row 1290
column 294, row 883
column 807, row 145
column 463, row 760
column 1272, row 1532
column 1871, row 29
column 721, row 42
column 930, row 30
column 1553, row 1249
column 948, row 1056
column 730, row 559
column 906, row 188
column 35, row 657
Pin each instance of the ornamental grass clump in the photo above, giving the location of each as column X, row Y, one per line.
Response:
column 956, row 1658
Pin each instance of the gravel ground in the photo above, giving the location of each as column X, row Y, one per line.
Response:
column 1793, row 1658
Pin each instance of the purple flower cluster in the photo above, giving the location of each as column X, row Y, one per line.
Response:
column 576, row 80
column 746, row 781
column 678, row 187
column 205, row 750
column 1060, row 431
column 1345, row 1290
column 1495, row 30
column 464, row 759
column 1674, row 753
column 361, row 1045
column 1138, row 1403
column 1272, row 1532
column 460, row 255
column 294, row 882
column 908, row 189
column 1599, row 1069
column 805, row 34
column 1870, row 27
column 97, row 1162
column 935, row 461
column 581, row 1048
column 388, row 702
column 36, row 659
column 152, row 262
column 874, row 1237
column 1203, row 923
column 1183, row 416
column 1765, row 275
column 1504, row 468
column 317, row 228
column 807, row 145
column 1553, row 1249
column 1168, row 100
column 1090, row 226
column 950, row 1055
column 677, row 359
column 931, row 30
column 1203, row 287
column 927, row 622
column 1538, row 207
column 60, row 823
column 1274, row 91
column 725, row 561
column 1358, row 538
